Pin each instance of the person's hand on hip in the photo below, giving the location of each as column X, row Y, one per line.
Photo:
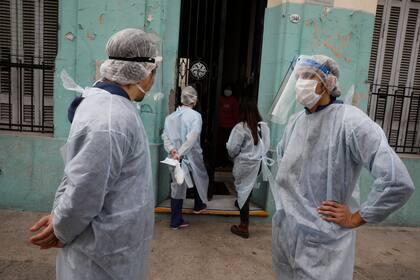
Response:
column 340, row 214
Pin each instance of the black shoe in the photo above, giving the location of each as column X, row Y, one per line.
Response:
column 240, row 230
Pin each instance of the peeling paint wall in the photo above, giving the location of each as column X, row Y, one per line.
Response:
column 368, row 6
column 31, row 167
column 342, row 34
column 342, row 30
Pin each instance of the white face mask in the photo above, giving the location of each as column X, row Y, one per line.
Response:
column 305, row 93
column 227, row 92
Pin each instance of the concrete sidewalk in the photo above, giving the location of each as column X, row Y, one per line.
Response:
column 207, row 250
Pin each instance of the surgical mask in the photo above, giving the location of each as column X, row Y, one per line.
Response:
column 141, row 89
column 227, row 92
column 305, row 93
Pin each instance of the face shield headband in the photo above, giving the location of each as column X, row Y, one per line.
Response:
column 156, row 59
column 309, row 63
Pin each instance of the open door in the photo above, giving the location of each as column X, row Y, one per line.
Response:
column 220, row 45
column 201, row 46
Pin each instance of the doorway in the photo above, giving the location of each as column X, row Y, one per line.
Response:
column 220, row 44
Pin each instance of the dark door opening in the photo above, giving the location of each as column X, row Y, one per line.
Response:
column 220, row 45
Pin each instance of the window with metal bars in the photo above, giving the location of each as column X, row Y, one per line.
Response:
column 394, row 73
column 28, row 47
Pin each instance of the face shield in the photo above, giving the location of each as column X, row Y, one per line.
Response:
column 306, row 70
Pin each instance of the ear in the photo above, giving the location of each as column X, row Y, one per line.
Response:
column 331, row 82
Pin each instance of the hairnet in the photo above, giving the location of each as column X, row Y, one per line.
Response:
column 325, row 68
column 188, row 95
column 129, row 43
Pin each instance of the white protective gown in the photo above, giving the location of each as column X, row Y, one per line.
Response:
column 182, row 132
column 320, row 158
column 247, row 157
column 104, row 207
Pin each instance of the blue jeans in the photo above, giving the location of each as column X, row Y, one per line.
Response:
column 176, row 208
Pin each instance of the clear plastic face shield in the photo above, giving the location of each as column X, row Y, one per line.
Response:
column 304, row 72
column 304, row 75
column 152, row 66
column 157, row 61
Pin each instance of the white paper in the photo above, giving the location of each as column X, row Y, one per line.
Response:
column 170, row 161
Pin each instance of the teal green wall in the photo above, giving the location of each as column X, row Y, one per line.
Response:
column 31, row 166
column 409, row 215
column 31, row 169
column 342, row 34
column 92, row 23
column 172, row 15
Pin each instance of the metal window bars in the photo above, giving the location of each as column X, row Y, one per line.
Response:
column 26, row 94
column 397, row 110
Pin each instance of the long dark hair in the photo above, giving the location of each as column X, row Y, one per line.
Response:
column 250, row 115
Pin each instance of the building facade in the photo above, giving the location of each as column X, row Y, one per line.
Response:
column 209, row 44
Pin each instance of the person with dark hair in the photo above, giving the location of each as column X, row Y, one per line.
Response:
column 248, row 144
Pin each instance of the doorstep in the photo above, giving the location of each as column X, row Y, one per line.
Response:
column 222, row 205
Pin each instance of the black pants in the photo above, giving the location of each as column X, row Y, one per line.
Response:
column 244, row 211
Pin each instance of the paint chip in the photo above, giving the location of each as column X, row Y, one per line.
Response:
column 91, row 36
column 146, row 108
column 101, row 19
column 158, row 96
column 149, row 18
column 69, row 36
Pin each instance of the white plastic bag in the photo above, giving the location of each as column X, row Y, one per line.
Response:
column 179, row 174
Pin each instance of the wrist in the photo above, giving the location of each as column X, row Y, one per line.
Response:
column 356, row 220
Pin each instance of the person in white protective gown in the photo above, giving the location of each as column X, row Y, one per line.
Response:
column 103, row 212
column 248, row 145
column 320, row 156
column 181, row 138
